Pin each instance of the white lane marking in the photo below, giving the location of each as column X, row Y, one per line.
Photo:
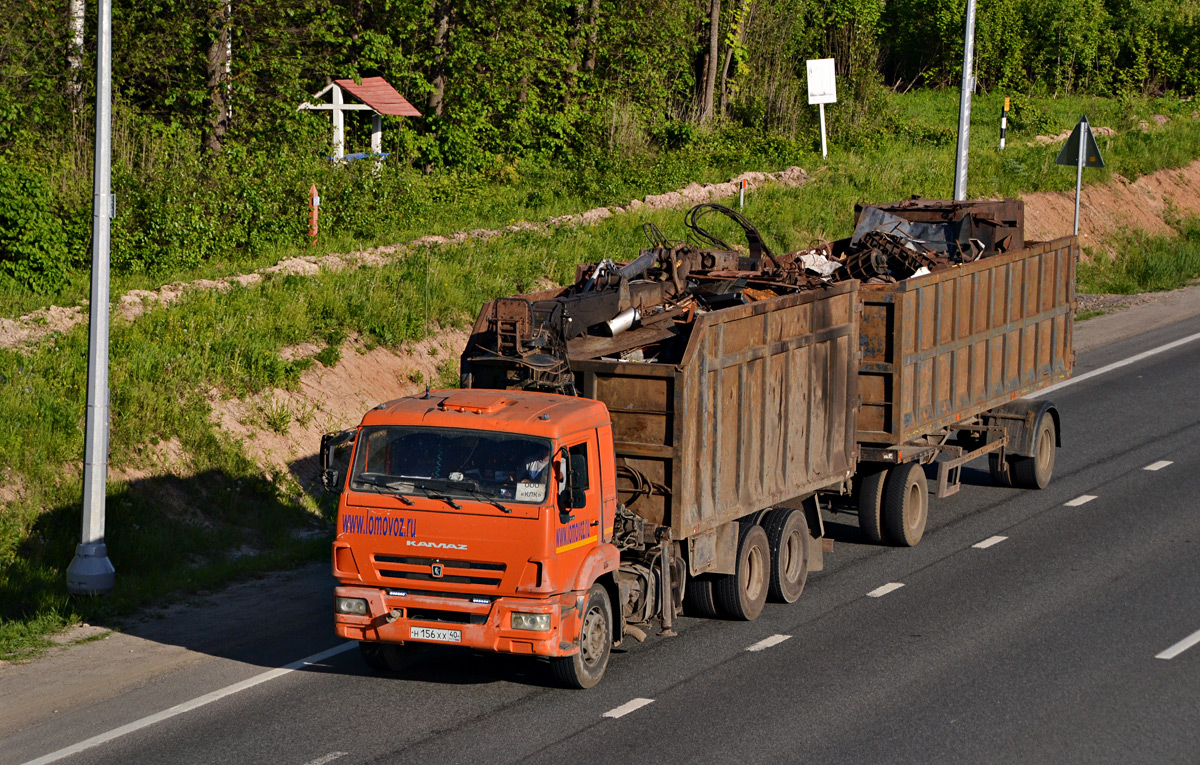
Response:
column 1082, row 499
column 768, row 642
column 1116, row 365
column 1158, row 465
column 989, row 542
column 879, row 592
column 188, row 706
column 1181, row 646
column 327, row 758
column 627, row 707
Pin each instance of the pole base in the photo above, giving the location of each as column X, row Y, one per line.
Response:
column 90, row 573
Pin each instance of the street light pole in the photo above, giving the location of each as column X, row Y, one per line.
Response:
column 964, row 106
column 91, row 573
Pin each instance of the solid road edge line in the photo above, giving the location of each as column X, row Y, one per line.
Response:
column 1180, row 647
column 188, row 706
column 1116, row 365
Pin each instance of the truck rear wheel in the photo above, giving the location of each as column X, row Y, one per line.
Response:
column 905, row 505
column 743, row 594
column 786, row 536
column 585, row 668
column 870, row 505
column 1035, row 472
column 698, row 598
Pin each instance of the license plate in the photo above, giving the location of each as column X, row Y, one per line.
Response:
column 441, row 636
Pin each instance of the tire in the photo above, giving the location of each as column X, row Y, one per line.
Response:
column 1000, row 476
column 372, row 654
column 585, row 668
column 870, row 505
column 1035, row 472
column 905, row 505
column 787, row 533
column 698, row 599
column 742, row 595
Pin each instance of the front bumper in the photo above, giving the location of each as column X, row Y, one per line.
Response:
column 484, row 626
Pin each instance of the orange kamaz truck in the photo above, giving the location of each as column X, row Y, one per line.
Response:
column 662, row 436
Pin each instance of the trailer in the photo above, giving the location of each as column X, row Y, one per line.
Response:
column 946, row 360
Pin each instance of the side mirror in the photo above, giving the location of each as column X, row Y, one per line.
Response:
column 334, row 445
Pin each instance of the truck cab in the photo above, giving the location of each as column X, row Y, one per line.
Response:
column 483, row 519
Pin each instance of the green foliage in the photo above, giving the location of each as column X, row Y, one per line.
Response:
column 39, row 240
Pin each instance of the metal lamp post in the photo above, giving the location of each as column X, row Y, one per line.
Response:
column 91, row 573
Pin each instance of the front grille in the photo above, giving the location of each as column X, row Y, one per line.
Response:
column 407, row 561
column 427, row 577
column 451, row 617
column 403, row 568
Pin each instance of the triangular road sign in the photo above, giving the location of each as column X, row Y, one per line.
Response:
column 1091, row 151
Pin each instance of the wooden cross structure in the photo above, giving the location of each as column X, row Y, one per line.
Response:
column 377, row 96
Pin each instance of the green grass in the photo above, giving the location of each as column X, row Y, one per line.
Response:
column 1145, row 264
column 169, row 534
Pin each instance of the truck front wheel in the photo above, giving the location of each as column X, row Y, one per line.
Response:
column 742, row 595
column 585, row 668
column 382, row 657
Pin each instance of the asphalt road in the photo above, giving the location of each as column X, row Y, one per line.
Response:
column 1028, row 626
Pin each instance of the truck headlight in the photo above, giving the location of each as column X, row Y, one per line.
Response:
column 535, row 622
column 352, row 606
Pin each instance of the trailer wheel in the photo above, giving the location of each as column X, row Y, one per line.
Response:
column 1001, row 470
column 905, row 505
column 585, row 668
column 1035, row 472
column 698, row 599
column 742, row 595
column 870, row 505
column 786, row 531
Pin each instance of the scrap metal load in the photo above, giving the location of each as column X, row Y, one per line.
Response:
column 642, row 311
column 639, row 311
column 919, row 236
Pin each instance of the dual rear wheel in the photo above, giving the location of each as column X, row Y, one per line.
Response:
column 893, row 505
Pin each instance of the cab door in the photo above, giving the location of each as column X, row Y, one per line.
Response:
column 577, row 525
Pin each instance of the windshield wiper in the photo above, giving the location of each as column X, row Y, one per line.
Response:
column 432, row 494
column 381, row 482
column 479, row 495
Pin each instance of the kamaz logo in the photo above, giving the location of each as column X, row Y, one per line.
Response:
column 437, row 545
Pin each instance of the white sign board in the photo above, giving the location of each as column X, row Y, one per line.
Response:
column 822, row 87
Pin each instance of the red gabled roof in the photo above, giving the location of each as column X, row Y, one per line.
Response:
column 378, row 94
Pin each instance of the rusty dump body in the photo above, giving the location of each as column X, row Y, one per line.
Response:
column 754, row 407
column 940, row 349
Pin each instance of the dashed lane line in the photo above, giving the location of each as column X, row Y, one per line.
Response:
column 879, row 592
column 1180, row 647
column 1158, row 465
column 1082, row 499
column 327, row 758
column 768, row 642
column 627, row 707
column 989, row 542
column 196, row 703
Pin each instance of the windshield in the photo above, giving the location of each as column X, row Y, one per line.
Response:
column 442, row 462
